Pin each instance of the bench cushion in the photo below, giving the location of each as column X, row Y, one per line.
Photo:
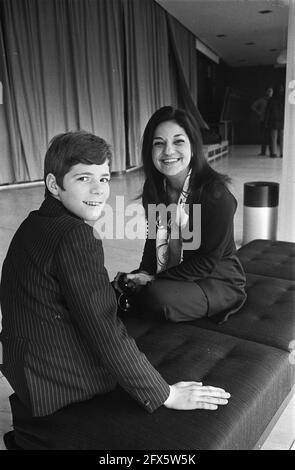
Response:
column 269, row 258
column 257, row 376
column 267, row 315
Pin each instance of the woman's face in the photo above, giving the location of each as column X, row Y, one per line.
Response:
column 171, row 152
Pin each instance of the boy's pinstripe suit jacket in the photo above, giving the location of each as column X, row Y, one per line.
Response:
column 62, row 341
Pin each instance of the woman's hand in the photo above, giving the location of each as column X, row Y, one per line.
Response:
column 134, row 282
column 195, row 395
column 138, row 280
column 119, row 281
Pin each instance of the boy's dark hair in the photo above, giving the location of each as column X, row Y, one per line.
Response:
column 203, row 175
column 69, row 149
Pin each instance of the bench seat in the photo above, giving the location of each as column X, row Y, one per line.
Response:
column 266, row 317
column 248, row 355
column 257, row 376
column 269, row 258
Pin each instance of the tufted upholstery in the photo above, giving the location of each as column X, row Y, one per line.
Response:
column 258, row 378
column 247, row 355
column 266, row 317
column 270, row 258
column 250, row 371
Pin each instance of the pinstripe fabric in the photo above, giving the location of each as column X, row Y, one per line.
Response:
column 62, row 341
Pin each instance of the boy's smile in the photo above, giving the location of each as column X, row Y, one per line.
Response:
column 86, row 189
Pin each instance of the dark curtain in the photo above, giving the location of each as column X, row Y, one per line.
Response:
column 100, row 65
column 183, row 61
column 64, row 69
column 147, row 68
column 161, row 68
column 9, row 143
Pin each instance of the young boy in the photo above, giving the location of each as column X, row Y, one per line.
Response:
column 63, row 344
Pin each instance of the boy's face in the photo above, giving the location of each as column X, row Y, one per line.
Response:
column 86, row 189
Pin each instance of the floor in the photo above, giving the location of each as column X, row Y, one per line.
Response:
column 242, row 165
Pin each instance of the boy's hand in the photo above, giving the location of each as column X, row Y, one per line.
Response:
column 194, row 395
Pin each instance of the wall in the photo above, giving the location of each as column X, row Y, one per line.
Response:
column 252, row 83
column 247, row 84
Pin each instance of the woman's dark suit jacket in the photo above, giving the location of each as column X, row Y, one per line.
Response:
column 62, row 341
column 214, row 265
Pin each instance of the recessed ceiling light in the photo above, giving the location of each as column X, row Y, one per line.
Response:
column 221, row 35
column 265, row 12
column 249, row 43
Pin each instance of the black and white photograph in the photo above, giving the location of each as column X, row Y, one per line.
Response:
column 147, row 228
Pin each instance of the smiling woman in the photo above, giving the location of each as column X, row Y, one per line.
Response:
column 171, row 153
column 178, row 279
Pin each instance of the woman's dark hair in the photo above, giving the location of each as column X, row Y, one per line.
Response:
column 69, row 149
column 202, row 175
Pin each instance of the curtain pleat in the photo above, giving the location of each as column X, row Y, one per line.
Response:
column 182, row 46
column 99, row 65
column 147, row 68
column 65, row 73
column 8, row 136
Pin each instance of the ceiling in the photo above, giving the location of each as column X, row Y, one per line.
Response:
column 241, row 23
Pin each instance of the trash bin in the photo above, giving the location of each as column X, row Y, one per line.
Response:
column 260, row 219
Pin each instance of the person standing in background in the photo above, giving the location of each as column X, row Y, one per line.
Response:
column 274, row 120
column 259, row 107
